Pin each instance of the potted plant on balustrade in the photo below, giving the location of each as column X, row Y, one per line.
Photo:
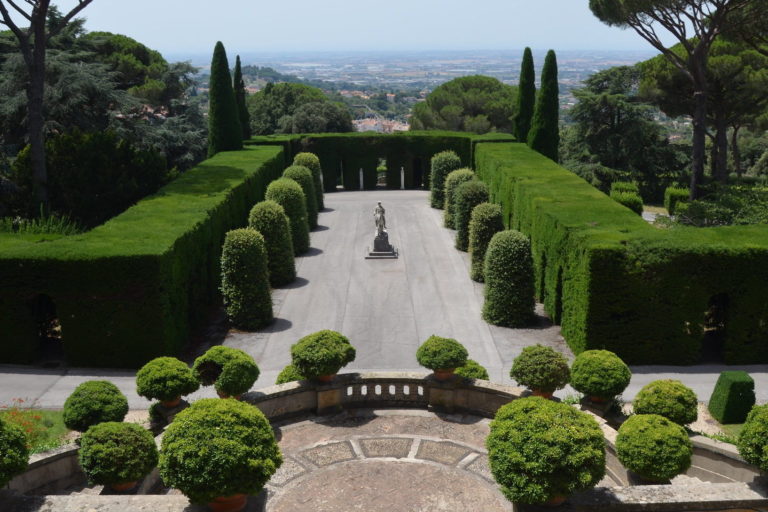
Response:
column 600, row 375
column 321, row 355
column 166, row 379
column 442, row 356
column 14, row 452
column 541, row 369
column 218, row 452
column 653, row 447
column 94, row 402
column 230, row 370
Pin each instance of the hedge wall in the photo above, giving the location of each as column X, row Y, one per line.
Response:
column 615, row 282
column 130, row 289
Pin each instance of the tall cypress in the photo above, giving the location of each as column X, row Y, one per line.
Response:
column 224, row 132
column 526, row 97
column 242, row 108
column 544, row 136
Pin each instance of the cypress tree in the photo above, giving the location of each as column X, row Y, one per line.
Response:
column 526, row 97
column 242, row 109
column 224, row 132
column 544, row 136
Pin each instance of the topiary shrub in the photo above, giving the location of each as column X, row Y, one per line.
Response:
column 673, row 196
column 115, row 453
column 508, row 274
column 441, row 165
column 753, row 438
column 472, row 370
column 288, row 194
column 631, row 200
column 625, row 186
column 654, row 447
column 438, row 353
column 541, row 369
column 218, row 448
column 164, row 379
column 289, row 374
column 312, row 162
column 733, row 397
column 669, row 398
column 94, row 402
column 452, row 182
column 245, row 279
column 269, row 219
column 14, row 452
column 321, row 353
column 485, row 221
column 468, row 195
column 303, row 177
column 539, row 449
column 230, row 370
column 600, row 373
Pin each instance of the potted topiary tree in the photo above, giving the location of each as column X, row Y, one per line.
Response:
column 599, row 374
column 14, row 452
column 472, row 370
column 669, row 398
column 218, row 452
column 117, row 454
column 230, row 370
column 321, row 355
column 653, row 447
column 166, row 379
column 289, row 374
column 541, row 369
column 542, row 451
column 94, row 402
column 442, row 356
column 753, row 438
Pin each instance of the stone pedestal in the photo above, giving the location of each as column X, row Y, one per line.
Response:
column 381, row 247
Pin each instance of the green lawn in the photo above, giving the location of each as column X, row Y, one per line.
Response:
column 45, row 429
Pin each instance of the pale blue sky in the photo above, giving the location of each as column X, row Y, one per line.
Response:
column 193, row 26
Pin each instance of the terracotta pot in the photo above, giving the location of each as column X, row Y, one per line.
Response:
column 542, row 394
column 444, row 373
column 125, row 486
column 234, row 503
column 326, row 378
column 170, row 404
column 225, row 395
column 555, row 501
column 598, row 399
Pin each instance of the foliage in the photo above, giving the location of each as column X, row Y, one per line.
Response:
column 544, row 135
column 317, row 117
column 733, row 397
column 240, row 95
column 269, row 219
column 472, row 370
column 164, row 379
column 753, row 438
column 218, row 448
column 631, row 200
column 224, row 131
column 303, row 176
column 94, row 402
column 289, row 374
column 653, row 447
column 468, row 195
column 452, row 182
column 115, row 453
column 508, row 274
column 245, row 279
column 726, row 206
column 539, row 449
column 231, row 370
column 312, row 162
column 625, row 186
column 669, row 398
column 321, row 353
column 14, row 450
column 485, row 221
column 674, row 196
column 438, row 353
column 526, row 98
column 600, row 373
column 289, row 194
column 441, row 165
column 53, row 224
column 43, row 429
column 540, row 368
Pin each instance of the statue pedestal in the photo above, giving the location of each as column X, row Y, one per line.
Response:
column 382, row 249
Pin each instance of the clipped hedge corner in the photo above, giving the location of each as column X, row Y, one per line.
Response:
column 733, row 397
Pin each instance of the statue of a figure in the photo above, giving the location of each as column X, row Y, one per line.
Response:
column 379, row 218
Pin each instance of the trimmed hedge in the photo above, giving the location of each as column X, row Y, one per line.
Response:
column 288, row 194
column 653, row 447
column 303, row 176
column 311, row 162
column 164, row 379
column 485, row 221
column 231, row 370
column 631, row 200
column 452, row 182
column 673, row 196
column 733, row 397
column 753, row 438
column 94, row 402
column 321, row 353
column 14, row 450
column 289, row 374
column 468, row 195
column 600, row 373
column 245, row 279
column 625, row 186
column 540, row 368
column 440, row 166
column 438, row 353
column 472, row 370
column 269, row 219
column 117, row 453
column 669, row 398
column 508, row 274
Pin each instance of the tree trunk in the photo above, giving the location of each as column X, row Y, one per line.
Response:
column 735, row 151
column 699, row 143
column 721, row 141
column 35, row 119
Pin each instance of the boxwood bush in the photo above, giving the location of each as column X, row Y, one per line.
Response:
column 485, row 221
column 14, row 452
column 468, row 195
column 452, row 182
column 438, row 353
column 245, row 279
column 269, row 219
column 653, row 447
column 164, row 379
column 540, row 368
column 94, row 402
column 753, row 438
column 673, row 196
column 733, row 397
column 472, row 370
column 115, row 453
column 625, row 186
column 230, row 370
column 441, row 165
column 289, row 374
column 508, row 274
column 218, row 448
column 303, row 177
column 288, row 194
column 312, row 162
column 321, row 353
column 669, row 398
column 539, row 449
column 631, row 200
column 600, row 373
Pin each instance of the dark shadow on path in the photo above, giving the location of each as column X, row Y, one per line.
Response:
column 297, row 283
column 313, row 251
column 320, row 227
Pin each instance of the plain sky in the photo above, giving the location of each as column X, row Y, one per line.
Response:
column 194, row 26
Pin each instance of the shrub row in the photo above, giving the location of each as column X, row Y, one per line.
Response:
column 452, row 182
column 673, row 196
column 245, row 279
column 441, row 165
column 508, row 274
column 485, row 222
column 269, row 219
column 631, row 200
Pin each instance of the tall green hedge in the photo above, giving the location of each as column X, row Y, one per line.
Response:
column 508, row 280
column 631, row 200
column 288, row 194
column 303, row 176
column 544, row 135
column 452, row 182
column 673, row 196
column 526, row 96
column 440, row 166
column 485, row 221
column 245, row 279
column 468, row 195
column 311, row 162
column 269, row 219
column 224, row 130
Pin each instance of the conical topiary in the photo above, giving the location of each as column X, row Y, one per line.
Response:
column 224, row 131
column 544, row 136
column 526, row 97
column 240, row 95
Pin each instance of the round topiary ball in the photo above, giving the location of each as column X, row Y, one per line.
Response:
column 312, row 162
column 269, row 219
column 541, row 369
column 539, row 449
column 438, row 353
column 472, row 370
column 508, row 274
column 600, row 373
column 468, row 195
column 753, row 438
column 14, row 452
column 116, row 453
column 321, row 353
column 485, row 221
column 452, row 181
column 441, row 165
column 94, row 402
column 653, row 447
column 218, row 448
column 288, row 194
column 245, row 279
column 303, row 177
column 289, row 374
column 164, row 379
column 231, row 370
column 669, row 398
